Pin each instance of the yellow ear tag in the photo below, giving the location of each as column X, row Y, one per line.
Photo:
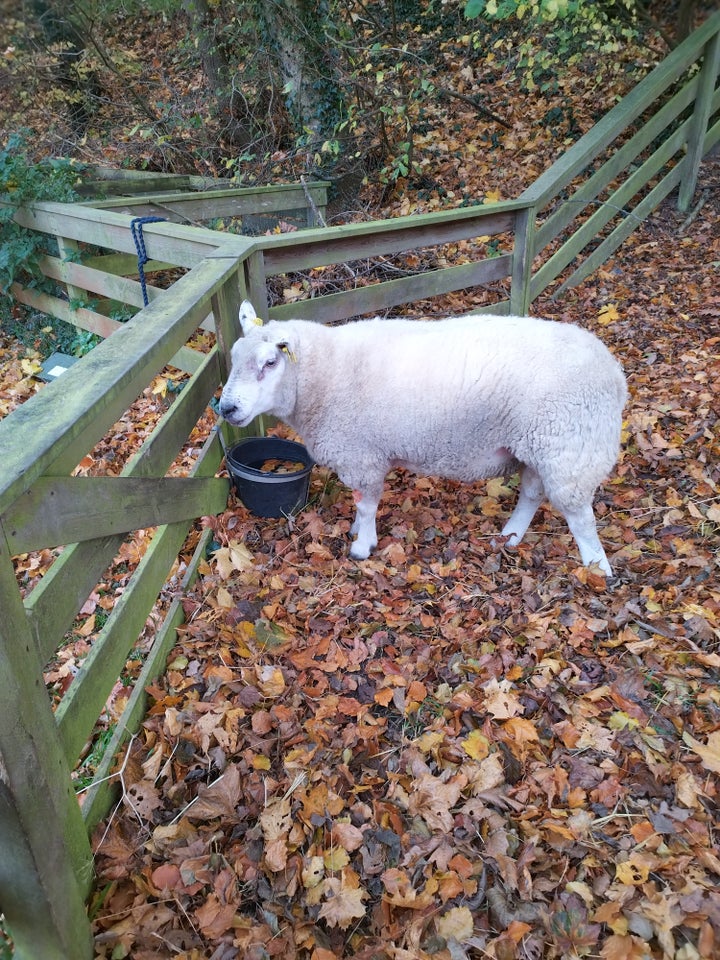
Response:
column 258, row 322
column 286, row 349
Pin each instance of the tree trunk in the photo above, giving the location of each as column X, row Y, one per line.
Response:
column 685, row 19
column 63, row 31
column 215, row 65
column 299, row 36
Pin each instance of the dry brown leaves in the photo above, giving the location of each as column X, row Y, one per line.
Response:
column 450, row 751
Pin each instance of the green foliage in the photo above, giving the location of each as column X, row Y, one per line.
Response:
column 551, row 10
column 85, row 774
column 45, row 334
column 21, row 184
column 506, row 9
column 558, row 33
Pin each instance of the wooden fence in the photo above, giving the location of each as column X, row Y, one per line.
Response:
column 558, row 231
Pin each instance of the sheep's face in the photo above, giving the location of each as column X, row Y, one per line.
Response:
column 255, row 384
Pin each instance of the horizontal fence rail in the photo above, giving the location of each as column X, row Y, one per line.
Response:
column 561, row 228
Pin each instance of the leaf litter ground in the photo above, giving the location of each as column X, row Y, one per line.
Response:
column 450, row 750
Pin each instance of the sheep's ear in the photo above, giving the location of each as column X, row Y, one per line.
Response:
column 287, row 349
column 248, row 317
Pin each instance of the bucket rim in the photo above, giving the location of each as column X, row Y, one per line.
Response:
column 239, row 468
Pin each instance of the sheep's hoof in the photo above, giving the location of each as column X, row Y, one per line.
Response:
column 358, row 553
column 505, row 540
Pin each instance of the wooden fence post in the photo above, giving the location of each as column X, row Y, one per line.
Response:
column 69, row 249
column 45, row 857
column 523, row 253
column 256, row 282
column 226, row 307
column 698, row 128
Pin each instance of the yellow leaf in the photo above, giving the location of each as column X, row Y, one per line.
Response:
column 632, row 873
column 492, row 196
column 709, row 753
column 271, row 681
column 30, row 367
column 160, row 386
column 476, row 745
column 457, row 924
column 619, row 720
column 234, row 557
column 313, row 872
column 582, row 890
column 260, row 762
column 335, row 859
column 429, row 741
column 497, row 487
column 608, row 314
column 224, row 599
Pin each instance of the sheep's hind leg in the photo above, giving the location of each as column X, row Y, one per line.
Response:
column 581, row 521
column 363, row 528
column 530, row 497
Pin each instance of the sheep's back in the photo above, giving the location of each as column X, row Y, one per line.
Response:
column 465, row 397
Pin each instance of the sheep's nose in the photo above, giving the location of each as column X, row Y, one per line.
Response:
column 227, row 408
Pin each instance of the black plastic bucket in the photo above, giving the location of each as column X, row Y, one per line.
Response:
column 268, row 494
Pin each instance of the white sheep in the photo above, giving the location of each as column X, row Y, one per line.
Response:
column 465, row 398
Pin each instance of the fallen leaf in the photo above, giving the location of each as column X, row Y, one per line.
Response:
column 342, row 904
column 456, row 924
column 709, row 753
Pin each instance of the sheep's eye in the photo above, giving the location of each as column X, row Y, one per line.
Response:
column 271, row 362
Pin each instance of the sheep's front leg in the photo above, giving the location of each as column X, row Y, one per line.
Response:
column 363, row 528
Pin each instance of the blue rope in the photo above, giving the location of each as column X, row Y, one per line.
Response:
column 136, row 230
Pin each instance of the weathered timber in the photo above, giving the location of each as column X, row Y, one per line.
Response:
column 608, row 128
column 102, row 790
column 56, row 511
column 55, row 307
column 173, row 243
column 79, row 709
column 106, row 783
column 611, row 208
column 616, row 166
column 56, row 600
column 521, row 265
column 123, row 264
column 624, row 229
column 234, row 202
column 49, row 434
column 46, row 863
column 42, row 429
column 390, row 293
column 99, row 181
column 700, row 118
column 325, row 245
column 90, row 279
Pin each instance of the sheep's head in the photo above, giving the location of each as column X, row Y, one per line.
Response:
column 258, row 381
